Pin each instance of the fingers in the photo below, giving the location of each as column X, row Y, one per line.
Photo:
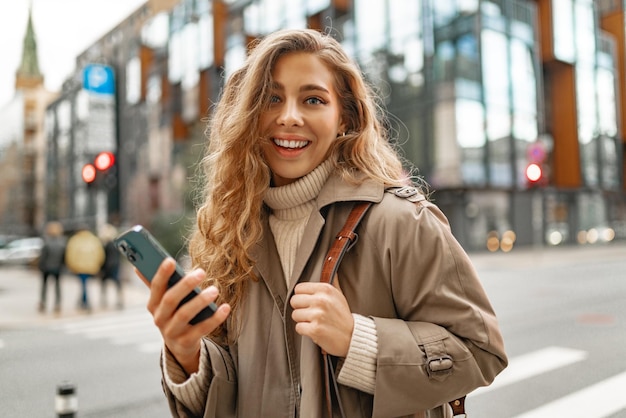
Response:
column 158, row 286
column 322, row 313
column 164, row 302
column 173, row 296
column 172, row 318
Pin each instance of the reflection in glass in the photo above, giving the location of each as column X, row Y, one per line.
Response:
column 206, row 42
column 497, row 88
column 563, row 30
column 468, row 62
column 470, row 117
column 175, row 58
column 155, row 32
column 316, row 6
column 370, row 18
column 585, row 34
column 607, row 112
column 191, row 40
column 444, row 61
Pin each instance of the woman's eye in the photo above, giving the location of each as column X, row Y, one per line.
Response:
column 314, row 100
column 274, row 99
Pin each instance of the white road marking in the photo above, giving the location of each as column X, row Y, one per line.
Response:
column 151, row 347
column 134, row 327
column 600, row 400
column 92, row 323
column 533, row 364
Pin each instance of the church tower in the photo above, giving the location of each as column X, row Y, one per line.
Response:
column 28, row 75
column 29, row 193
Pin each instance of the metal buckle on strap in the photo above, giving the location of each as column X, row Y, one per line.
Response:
column 442, row 364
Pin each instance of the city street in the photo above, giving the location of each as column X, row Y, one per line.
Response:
column 110, row 355
column 561, row 310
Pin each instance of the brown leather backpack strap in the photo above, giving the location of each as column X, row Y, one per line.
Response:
column 458, row 407
column 343, row 240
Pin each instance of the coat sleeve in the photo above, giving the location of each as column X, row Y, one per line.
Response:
column 444, row 341
column 222, row 389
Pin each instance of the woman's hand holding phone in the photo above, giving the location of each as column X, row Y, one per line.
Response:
column 172, row 318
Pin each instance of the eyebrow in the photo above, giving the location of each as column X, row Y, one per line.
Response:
column 304, row 88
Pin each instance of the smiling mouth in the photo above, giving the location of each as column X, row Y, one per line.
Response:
column 290, row 144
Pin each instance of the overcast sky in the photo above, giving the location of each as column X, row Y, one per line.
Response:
column 64, row 29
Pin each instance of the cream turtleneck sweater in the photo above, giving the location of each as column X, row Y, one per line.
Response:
column 291, row 207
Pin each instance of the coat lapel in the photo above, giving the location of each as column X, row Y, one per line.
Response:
column 270, row 269
column 307, row 245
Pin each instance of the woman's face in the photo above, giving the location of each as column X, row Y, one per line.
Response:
column 303, row 118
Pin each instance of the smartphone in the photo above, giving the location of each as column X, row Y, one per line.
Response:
column 146, row 254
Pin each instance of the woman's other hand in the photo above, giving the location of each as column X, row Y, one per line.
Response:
column 321, row 312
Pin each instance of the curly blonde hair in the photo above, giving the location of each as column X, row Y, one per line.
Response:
column 229, row 222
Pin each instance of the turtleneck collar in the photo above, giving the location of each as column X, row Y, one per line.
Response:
column 301, row 191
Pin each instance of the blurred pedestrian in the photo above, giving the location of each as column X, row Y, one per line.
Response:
column 51, row 262
column 111, row 267
column 84, row 257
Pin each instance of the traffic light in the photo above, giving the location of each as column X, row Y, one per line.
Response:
column 89, row 173
column 102, row 173
column 104, row 161
column 536, row 172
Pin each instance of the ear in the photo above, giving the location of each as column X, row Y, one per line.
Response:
column 342, row 128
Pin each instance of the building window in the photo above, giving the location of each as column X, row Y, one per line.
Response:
column 563, row 30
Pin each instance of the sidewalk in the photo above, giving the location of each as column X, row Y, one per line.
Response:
column 530, row 257
column 20, row 288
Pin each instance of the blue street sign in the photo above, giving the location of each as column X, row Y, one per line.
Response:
column 98, row 78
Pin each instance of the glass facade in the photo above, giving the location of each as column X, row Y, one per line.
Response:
column 462, row 81
column 579, row 41
column 469, row 89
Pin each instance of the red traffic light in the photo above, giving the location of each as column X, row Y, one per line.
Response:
column 534, row 172
column 88, row 173
column 104, row 160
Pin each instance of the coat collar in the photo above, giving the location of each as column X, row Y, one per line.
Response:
column 336, row 189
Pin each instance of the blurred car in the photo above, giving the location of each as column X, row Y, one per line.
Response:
column 5, row 239
column 24, row 251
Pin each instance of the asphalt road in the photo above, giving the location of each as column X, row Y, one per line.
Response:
column 110, row 355
column 563, row 317
column 561, row 310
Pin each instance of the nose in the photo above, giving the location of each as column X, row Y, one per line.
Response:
column 289, row 114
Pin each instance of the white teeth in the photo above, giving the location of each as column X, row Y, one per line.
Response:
column 290, row 144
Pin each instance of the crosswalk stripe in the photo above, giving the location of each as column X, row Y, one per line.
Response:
column 134, row 327
column 147, row 334
column 597, row 401
column 533, row 364
column 151, row 347
column 113, row 327
column 102, row 321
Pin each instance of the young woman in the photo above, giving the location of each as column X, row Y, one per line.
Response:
column 294, row 142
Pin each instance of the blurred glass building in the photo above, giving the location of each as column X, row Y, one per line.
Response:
column 512, row 110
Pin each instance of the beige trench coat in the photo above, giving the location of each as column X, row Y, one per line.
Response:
column 408, row 273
